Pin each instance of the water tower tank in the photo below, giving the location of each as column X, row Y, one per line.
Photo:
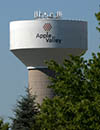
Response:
column 44, row 38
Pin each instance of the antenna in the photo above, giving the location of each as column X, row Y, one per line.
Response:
column 39, row 14
column 58, row 14
column 45, row 14
column 51, row 15
column 36, row 14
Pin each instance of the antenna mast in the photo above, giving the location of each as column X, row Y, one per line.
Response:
column 39, row 14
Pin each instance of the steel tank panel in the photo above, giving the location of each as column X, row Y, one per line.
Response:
column 48, row 34
column 37, row 57
column 35, row 41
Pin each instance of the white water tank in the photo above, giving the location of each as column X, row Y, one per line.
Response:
column 45, row 38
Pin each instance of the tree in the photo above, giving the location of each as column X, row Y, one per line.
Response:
column 76, row 105
column 4, row 126
column 24, row 113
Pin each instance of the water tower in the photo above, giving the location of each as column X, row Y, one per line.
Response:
column 44, row 38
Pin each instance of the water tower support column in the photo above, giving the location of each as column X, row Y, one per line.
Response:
column 38, row 82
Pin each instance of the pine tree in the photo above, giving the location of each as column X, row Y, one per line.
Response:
column 24, row 113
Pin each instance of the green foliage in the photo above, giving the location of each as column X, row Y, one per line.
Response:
column 98, row 19
column 4, row 126
column 76, row 105
column 24, row 113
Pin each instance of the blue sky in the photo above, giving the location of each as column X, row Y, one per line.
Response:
column 13, row 74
